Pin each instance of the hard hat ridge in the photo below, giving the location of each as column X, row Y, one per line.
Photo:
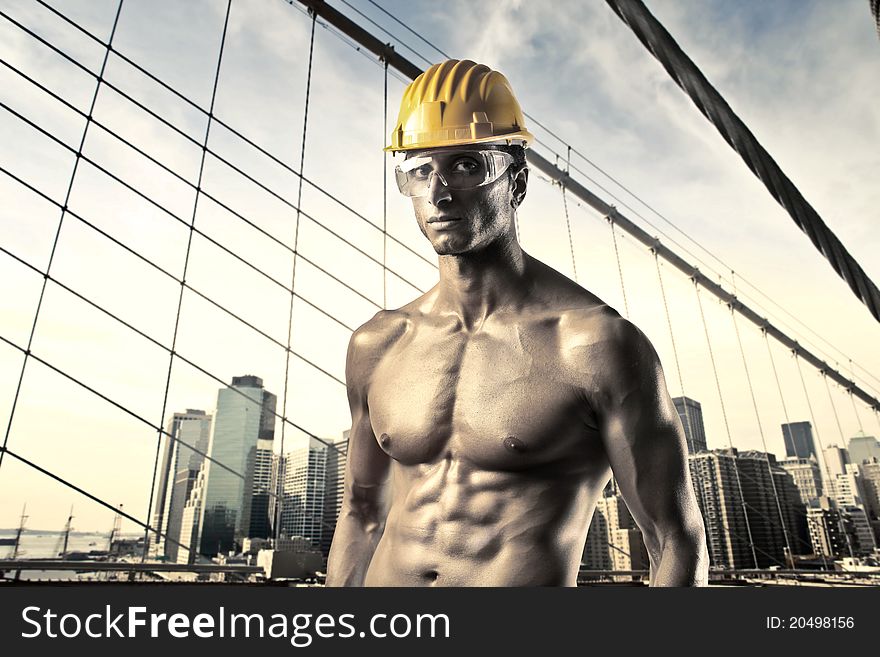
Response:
column 458, row 102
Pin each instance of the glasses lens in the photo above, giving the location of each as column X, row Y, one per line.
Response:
column 457, row 170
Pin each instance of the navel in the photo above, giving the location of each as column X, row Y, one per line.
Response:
column 513, row 444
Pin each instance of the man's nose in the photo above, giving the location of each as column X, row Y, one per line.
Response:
column 437, row 190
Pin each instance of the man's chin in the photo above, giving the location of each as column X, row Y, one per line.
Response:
column 449, row 247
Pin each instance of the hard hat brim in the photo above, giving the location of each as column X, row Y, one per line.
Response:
column 522, row 136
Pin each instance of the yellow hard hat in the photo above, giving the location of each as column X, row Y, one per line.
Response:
column 458, row 102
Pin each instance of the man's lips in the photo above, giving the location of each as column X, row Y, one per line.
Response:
column 443, row 221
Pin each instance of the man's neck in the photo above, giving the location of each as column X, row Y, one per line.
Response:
column 475, row 285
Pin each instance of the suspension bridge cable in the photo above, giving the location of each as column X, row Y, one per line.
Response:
column 697, row 258
column 852, row 399
column 219, row 158
column 279, row 517
column 364, row 38
column 829, row 480
column 199, row 108
column 132, row 413
column 568, row 229
column 692, row 272
column 207, row 195
column 610, row 219
column 192, row 224
column 742, row 352
column 94, row 498
column 571, row 149
column 77, row 158
column 393, row 36
column 713, row 106
column 875, row 11
column 385, row 194
column 684, row 398
column 742, row 498
column 834, row 410
column 196, row 230
column 626, row 189
column 203, row 296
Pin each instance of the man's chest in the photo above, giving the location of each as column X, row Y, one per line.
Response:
column 501, row 399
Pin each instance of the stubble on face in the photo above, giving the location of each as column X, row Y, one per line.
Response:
column 483, row 213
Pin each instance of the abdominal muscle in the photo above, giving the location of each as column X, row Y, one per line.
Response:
column 451, row 524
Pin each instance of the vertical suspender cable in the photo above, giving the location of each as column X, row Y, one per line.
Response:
column 568, row 228
column 684, row 396
column 192, row 225
column 761, row 431
column 834, row 410
column 385, row 197
column 27, row 352
column 279, row 506
column 726, row 424
column 828, row 479
column 610, row 220
column 784, row 407
column 852, row 399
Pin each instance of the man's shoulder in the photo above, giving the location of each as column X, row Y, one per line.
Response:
column 380, row 331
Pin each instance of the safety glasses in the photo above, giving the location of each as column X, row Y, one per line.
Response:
column 458, row 169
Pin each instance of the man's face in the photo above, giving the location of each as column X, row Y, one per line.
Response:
column 457, row 221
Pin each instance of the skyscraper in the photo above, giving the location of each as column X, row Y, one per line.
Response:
column 827, row 529
column 807, row 477
column 179, row 467
column 863, row 448
column 717, row 486
column 614, row 540
column 798, row 437
column 244, row 424
column 302, row 473
column 691, row 414
column 768, row 521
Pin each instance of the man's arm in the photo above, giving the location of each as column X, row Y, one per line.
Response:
column 362, row 516
column 646, row 446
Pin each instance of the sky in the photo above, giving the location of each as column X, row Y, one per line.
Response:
column 802, row 75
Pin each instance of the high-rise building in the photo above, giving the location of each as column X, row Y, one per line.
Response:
column 614, row 541
column 853, row 496
column 188, row 550
column 767, row 519
column 798, row 437
column 714, row 475
column 870, row 472
column 334, row 486
column 863, row 448
column 827, row 531
column 261, row 486
column 182, row 452
column 243, row 430
column 691, row 414
column 794, row 512
column 302, row 474
column 807, row 477
column 834, row 460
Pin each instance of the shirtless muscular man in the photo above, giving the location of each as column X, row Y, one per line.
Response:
column 489, row 413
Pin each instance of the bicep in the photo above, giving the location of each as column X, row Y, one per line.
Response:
column 367, row 465
column 644, row 440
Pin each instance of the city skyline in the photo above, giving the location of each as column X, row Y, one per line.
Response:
column 626, row 115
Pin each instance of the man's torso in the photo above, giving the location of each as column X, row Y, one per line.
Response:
column 497, row 460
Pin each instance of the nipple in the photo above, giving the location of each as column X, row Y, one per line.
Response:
column 513, row 444
column 385, row 440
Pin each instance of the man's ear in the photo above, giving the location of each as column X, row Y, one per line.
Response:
column 520, row 184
